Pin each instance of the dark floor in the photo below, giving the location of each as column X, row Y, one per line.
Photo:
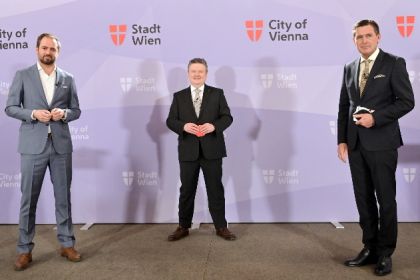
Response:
column 262, row 251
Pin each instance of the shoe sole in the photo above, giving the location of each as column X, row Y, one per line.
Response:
column 71, row 260
column 227, row 238
column 382, row 274
column 176, row 239
column 23, row 267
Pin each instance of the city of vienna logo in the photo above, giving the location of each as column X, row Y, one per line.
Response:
column 128, row 177
column 118, row 33
column 10, row 180
column 333, row 127
column 409, row 174
column 268, row 175
column 254, row 29
column 126, row 83
column 405, row 25
column 267, row 80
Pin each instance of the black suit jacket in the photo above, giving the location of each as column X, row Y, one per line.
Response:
column 388, row 91
column 214, row 110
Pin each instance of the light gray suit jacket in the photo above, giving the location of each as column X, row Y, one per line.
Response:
column 27, row 94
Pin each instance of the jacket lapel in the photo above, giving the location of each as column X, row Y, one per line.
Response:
column 188, row 101
column 205, row 101
column 374, row 71
column 59, row 81
column 356, row 69
column 38, row 84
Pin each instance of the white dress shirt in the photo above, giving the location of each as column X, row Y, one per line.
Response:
column 48, row 84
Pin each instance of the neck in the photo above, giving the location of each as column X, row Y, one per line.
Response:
column 196, row 86
column 47, row 68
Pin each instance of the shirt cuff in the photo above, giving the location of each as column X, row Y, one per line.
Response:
column 65, row 115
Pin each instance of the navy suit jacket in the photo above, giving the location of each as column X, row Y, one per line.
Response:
column 214, row 110
column 388, row 92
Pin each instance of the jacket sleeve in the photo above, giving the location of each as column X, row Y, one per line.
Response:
column 173, row 122
column 225, row 118
column 73, row 111
column 343, row 112
column 14, row 105
column 402, row 93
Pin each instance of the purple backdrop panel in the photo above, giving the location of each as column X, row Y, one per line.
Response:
column 280, row 64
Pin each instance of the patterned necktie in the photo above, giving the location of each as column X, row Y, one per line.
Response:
column 365, row 76
column 197, row 101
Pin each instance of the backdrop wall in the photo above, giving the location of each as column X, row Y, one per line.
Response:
column 280, row 64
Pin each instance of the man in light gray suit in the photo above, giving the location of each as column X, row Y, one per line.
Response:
column 44, row 98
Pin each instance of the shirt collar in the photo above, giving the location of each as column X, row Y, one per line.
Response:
column 201, row 88
column 372, row 57
column 40, row 68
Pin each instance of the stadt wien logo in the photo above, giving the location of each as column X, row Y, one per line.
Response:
column 139, row 34
column 405, row 25
column 118, row 33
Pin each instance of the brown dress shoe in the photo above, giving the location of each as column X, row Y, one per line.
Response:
column 225, row 234
column 71, row 254
column 23, row 261
column 179, row 233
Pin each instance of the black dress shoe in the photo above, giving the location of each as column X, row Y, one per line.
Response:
column 179, row 233
column 366, row 256
column 384, row 266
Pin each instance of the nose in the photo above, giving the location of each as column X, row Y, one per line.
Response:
column 364, row 39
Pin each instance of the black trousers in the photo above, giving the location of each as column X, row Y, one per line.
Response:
column 212, row 171
column 373, row 175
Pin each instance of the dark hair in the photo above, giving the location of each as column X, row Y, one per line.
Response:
column 198, row 60
column 365, row 22
column 48, row 35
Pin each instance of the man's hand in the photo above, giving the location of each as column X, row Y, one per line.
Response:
column 199, row 130
column 57, row 114
column 206, row 128
column 43, row 116
column 365, row 120
column 191, row 128
column 342, row 152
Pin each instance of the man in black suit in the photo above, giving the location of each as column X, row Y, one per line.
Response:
column 199, row 114
column 375, row 93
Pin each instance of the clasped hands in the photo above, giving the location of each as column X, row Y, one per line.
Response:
column 45, row 116
column 199, row 130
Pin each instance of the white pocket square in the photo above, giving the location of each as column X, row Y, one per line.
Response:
column 379, row 76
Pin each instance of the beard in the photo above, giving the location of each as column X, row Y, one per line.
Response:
column 47, row 60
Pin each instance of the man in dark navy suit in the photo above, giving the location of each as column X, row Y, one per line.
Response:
column 199, row 114
column 375, row 93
